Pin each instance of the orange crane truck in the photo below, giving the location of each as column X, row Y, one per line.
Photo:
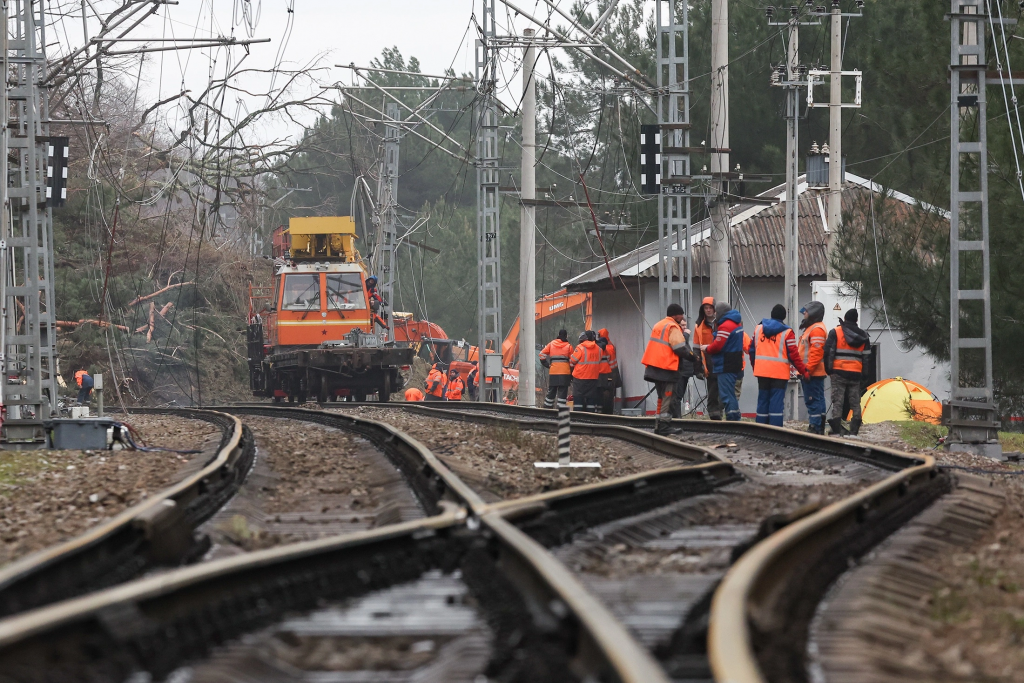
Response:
column 312, row 334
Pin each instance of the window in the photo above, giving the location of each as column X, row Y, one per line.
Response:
column 301, row 292
column 345, row 292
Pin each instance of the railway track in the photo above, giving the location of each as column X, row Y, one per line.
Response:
column 156, row 532
column 448, row 564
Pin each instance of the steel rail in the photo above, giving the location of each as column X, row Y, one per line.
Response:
column 760, row 611
column 156, row 531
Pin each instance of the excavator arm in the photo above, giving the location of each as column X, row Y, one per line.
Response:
column 549, row 305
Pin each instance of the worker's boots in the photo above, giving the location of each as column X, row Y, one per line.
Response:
column 854, row 427
column 837, row 427
column 665, row 428
column 816, row 429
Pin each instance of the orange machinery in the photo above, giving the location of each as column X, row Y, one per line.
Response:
column 312, row 333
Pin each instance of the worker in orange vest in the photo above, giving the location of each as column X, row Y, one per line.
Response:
column 773, row 353
column 413, row 394
column 667, row 345
column 585, row 362
column 555, row 357
column 85, row 383
column 812, row 350
column 435, row 384
column 473, row 381
column 607, row 373
column 704, row 336
column 845, row 349
column 456, row 385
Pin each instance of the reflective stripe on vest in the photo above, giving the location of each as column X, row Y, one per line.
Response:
column 770, row 359
column 805, row 347
column 588, row 361
column 559, row 357
column 438, row 377
column 659, row 353
column 454, row 392
column 848, row 359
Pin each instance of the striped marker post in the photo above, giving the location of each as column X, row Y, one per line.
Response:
column 563, row 441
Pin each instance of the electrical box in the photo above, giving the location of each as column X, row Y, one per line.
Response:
column 97, row 382
column 87, row 433
column 838, row 297
column 492, row 365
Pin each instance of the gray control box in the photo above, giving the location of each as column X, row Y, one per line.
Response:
column 80, row 434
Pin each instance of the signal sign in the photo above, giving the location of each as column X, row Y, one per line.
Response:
column 650, row 159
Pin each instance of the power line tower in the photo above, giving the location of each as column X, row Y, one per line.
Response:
column 28, row 386
column 675, row 253
column 488, row 202
column 972, row 414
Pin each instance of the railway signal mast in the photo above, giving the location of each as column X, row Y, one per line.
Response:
column 972, row 416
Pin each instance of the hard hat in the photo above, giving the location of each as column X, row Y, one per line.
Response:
column 708, row 301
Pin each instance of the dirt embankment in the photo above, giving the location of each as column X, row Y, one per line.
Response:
column 50, row 496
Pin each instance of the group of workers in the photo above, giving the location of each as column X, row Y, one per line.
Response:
column 718, row 349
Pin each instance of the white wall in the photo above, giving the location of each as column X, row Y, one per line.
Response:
column 897, row 360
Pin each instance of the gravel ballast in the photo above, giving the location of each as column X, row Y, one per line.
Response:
column 47, row 497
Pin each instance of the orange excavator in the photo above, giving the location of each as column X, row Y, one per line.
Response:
column 436, row 347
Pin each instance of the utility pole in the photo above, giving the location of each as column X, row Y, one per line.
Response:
column 388, row 202
column 29, row 324
column 972, row 416
column 488, row 206
column 835, row 138
column 720, row 285
column 527, row 231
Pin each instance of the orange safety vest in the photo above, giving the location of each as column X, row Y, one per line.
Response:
column 557, row 352
column 78, row 377
column 814, row 336
column 848, row 359
column 703, row 335
column 455, row 388
column 413, row 394
column 442, row 381
column 659, row 353
column 586, row 361
column 770, row 358
column 746, row 349
column 608, row 362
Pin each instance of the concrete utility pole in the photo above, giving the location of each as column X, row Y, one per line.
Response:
column 719, row 139
column 835, row 138
column 792, row 263
column 388, row 201
column 527, row 231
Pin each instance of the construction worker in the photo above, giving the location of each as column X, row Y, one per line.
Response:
column 555, row 357
column 436, row 383
column 690, row 365
column 85, row 383
column 703, row 335
column 726, row 353
column 456, row 386
column 812, row 351
column 473, row 381
column 413, row 394
column 661, row 364
column 845, row 349
column 585, row 362
column 773, row 353
column 606, row 379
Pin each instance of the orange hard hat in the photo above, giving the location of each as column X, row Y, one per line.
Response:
column 413, row 394
column 708, row 300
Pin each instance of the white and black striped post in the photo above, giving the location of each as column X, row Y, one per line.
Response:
column 563, row 432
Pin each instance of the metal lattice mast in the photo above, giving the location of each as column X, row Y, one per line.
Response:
column 972, row 417
column 389, row 213
column 29, row 323
column 487, row 199
column 674, row 248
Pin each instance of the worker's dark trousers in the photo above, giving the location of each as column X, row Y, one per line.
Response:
column 606, row 394
column 727, row 394
column 555, row 394
column 666, row 392
column 431, row 397
column 714, row 401
column 583, row 391
column 771, row 400
column 848, row 389
column 83, row 394
column 676, row 404
column 814, row 399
